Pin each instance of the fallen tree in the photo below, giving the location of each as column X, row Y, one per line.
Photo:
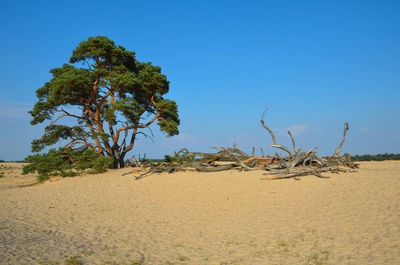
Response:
column 297, row 162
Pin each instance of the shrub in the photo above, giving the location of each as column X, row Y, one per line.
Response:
column 101, row 163
column 66, row 163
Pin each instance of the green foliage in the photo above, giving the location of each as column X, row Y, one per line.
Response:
column 2, row 175
column 377, row 157
column 100, row 164
column 85, row 159
column 104, row 89
column 46, row 165
column 66, row 163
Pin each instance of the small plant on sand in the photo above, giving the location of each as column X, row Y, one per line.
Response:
column 318, row 258
column 182, row 258
column 66, row 163
column 46, row 262
column 75, row 260
column 137, row 262
column 2, row 175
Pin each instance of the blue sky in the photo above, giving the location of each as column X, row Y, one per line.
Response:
column 316, row 64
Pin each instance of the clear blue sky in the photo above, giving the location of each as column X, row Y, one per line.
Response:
column 316, row 64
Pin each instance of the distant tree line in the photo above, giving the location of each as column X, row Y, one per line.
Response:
column 377, row 157
column 167, row 158
column 13, row 161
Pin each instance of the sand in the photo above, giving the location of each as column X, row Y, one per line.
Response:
column 219, row 218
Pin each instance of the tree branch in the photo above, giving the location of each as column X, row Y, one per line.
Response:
column 71, row 115
column 135, row 126
column 276, row 145
column 293, row 142
column 53, row 122
column 239, row 162
column 337, row 150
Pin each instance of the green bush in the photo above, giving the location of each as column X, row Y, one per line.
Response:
column 65, row 162
column 101, row 163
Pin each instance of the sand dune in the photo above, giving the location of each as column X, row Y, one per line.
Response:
column 203, row 218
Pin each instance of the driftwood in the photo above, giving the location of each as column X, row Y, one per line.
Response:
column 297, row 162
column 203, row 162
column 303, row 172
column 302, row 163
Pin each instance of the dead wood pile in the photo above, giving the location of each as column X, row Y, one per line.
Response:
column 297, row 162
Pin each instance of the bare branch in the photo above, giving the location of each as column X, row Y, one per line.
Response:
column 71, row 115
column 305, row 171
column 281, row 147
column 338, row 149
column 276, row 145
column 239, row 162
column 266, row 127
column 293, row 142
column 53, row 122
column 146, row 136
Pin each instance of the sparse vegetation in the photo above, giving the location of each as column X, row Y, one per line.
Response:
column 318, row 258
column 6, row 167
column 139, row 261
column 182, row 258
column 75, row 260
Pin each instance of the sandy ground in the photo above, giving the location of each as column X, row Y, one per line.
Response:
column 203, row 218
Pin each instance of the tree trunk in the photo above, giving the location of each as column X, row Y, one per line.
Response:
column 115, row 163
column 119, row 161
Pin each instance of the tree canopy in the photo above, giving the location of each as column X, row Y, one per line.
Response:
column 111, row 98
